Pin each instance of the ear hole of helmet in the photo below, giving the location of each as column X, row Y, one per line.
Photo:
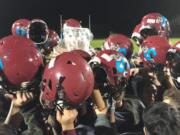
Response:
column 50, row 84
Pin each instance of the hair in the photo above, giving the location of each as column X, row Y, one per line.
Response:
column 173, row 96
column 6, row 130
column 162, row 119
column 145, row 88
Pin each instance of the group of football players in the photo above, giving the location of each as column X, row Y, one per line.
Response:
column 52, row 85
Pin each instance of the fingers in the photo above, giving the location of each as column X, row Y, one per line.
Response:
column 20, row 98
column 29, row 95
column 67, row 112
column 24, row 97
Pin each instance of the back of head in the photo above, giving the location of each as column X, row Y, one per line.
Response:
column 162, row 119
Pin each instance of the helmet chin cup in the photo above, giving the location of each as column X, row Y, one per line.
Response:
column 67, row 81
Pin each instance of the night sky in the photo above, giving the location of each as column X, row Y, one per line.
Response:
column 107, row 15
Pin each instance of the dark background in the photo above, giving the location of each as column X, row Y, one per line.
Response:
column 107, row 15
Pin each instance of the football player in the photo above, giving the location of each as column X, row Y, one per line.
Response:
column 67, row 83
column 120, row 43
column 112, row 72
column 21, row 65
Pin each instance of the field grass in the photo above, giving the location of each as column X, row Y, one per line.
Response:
column 99, row 42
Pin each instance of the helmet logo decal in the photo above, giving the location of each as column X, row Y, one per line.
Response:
column 1, row 64
column 150, row 53
column 20, row 31
column 122, row 65
column 123, row 51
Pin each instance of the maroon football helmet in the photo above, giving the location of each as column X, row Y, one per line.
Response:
column 155, row 24
column 53, row 40
column 20, row 63
column 67, row 79
column 19, row 27
column 136, row 35
column 38, row 31
column 115, row 65
column 154, row 50
column 72, row 23
column 120, row 43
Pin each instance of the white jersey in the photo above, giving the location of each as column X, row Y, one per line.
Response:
column 77, row 38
